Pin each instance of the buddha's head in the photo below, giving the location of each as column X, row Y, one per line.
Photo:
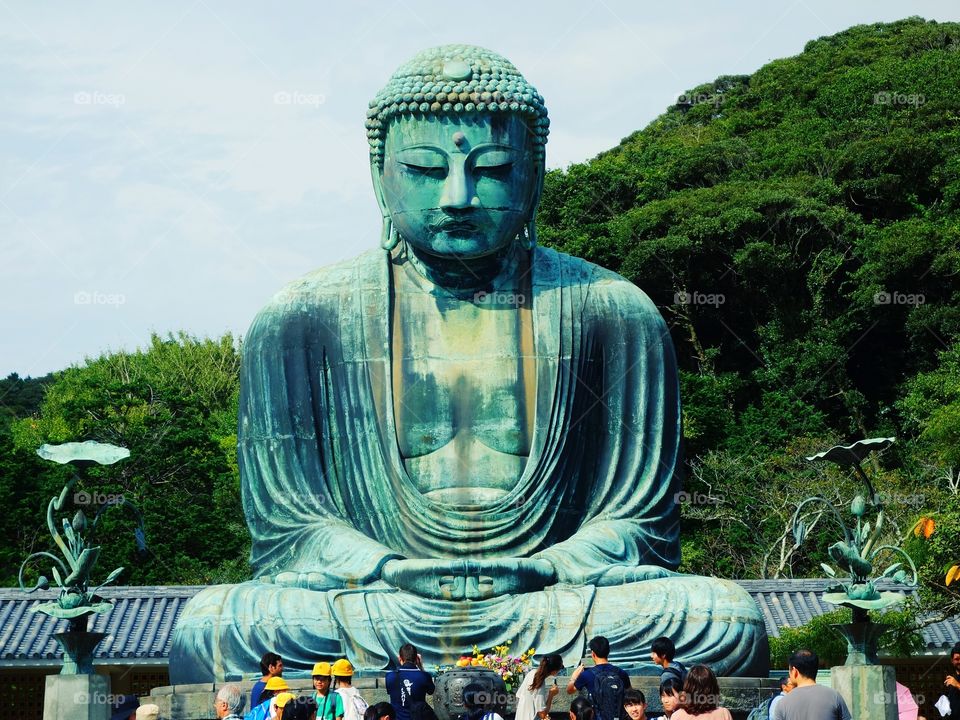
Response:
column 457, row 153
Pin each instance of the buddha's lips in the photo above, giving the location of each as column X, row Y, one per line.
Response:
column 456, row 225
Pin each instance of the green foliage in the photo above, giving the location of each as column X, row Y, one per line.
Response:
column 902, row 639
column 799, row 228
column 932, row 405
column 816, row 635
column 174, row 405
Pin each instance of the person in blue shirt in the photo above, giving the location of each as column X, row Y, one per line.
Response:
column 588, row 678
column 409, row 683
column 662, row 652
column 271, row 665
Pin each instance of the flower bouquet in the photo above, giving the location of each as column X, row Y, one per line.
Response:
column 510, row 668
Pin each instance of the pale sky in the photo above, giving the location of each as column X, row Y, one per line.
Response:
column 169, row 166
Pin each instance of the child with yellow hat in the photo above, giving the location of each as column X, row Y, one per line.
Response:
column 353, row 703
column 267, row 709
column 329, row 704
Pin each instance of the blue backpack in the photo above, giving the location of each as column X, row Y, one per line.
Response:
column 762, row 711
column 608, row 689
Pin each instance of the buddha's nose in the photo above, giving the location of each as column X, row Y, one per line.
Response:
column 458, row 189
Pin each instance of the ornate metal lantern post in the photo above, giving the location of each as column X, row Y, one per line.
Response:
column 77, row 601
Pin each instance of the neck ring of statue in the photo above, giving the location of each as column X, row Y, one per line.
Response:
column 462, row 277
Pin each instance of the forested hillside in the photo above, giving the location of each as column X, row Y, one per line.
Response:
column 799, row 228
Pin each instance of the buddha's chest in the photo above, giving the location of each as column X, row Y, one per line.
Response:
column 464, row 378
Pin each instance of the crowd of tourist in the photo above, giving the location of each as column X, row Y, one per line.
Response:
column 603, row 692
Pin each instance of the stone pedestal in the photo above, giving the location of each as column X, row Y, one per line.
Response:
column 76, row 697
column 869, row 690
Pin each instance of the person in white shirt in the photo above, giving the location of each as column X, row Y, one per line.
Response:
column 535, row 694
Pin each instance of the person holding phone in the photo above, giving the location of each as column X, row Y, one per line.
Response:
column 534, row 696
column 409, row 683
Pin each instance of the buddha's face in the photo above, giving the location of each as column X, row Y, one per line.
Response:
column 460, row 186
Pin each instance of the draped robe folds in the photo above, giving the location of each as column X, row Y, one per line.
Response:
column 328, row 500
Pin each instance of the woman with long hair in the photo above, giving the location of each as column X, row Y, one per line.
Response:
column 534, row 698
column 581, row 709
column 701, row 697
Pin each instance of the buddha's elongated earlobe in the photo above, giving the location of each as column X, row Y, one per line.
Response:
column 528, row 237
column 389, row 238
column 530, row 234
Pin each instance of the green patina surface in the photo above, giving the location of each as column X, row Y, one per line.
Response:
column 461, row 438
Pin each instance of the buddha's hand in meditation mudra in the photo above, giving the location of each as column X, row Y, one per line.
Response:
column 458, row 579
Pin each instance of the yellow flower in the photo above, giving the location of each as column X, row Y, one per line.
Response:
column 953, row 574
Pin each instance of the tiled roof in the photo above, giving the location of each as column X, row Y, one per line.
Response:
column 791, row 603
column 140, row 626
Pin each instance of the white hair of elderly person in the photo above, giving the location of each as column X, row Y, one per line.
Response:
column 229, row 702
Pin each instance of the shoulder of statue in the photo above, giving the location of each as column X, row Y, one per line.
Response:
column 612, row 295
column 605, row 285
column 318, row 293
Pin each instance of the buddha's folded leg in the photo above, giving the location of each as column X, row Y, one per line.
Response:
column 224, row 630
column 711, row 621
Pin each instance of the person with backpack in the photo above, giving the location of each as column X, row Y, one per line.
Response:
column 662, row 653
column 605, row 682
column 354, row 706
column 764, row 711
